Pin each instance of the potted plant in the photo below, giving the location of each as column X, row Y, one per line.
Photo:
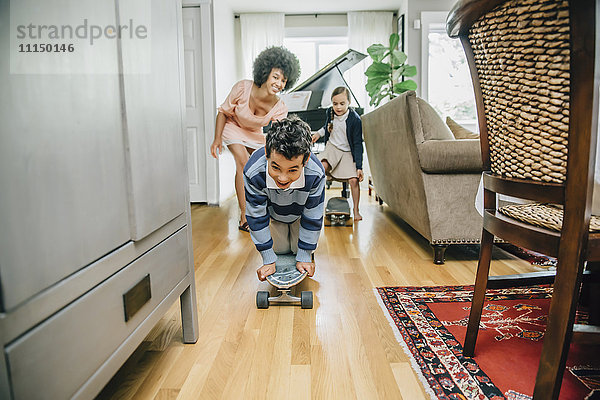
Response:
column 384, row 77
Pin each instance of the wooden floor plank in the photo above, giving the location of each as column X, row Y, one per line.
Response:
column 376, row 356
column 167, row 394
column 263, row 355
column 407, row 382
column 154, row 380
column 278, row 385
column 300, row 382
column 301, row 338
column 238, row 376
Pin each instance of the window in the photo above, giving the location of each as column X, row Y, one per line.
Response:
column 317, row 40
column 315, row 52
column 446, row 81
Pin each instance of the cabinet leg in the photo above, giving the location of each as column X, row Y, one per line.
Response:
column 438, row 253
column 4, row 381
column 189, row 314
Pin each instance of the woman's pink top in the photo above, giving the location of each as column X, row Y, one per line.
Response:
column 242, row 126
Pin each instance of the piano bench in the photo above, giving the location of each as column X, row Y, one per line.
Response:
column 345, row 190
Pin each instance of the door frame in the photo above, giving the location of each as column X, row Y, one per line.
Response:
column 210, row 169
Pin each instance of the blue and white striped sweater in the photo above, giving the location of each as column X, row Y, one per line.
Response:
column 285, row 206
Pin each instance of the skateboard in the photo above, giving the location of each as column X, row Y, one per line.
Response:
column 285, row 277
column 337, row 212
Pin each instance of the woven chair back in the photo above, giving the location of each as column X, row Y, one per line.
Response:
column 521, row 52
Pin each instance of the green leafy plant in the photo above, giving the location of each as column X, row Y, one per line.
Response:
column 384, row 76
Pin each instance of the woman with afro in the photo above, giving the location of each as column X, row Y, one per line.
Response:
column 251, row 105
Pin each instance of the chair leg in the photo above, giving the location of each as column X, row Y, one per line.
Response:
column 588, row 296
column 560, row 327
column 483, row 269
column 594, row 305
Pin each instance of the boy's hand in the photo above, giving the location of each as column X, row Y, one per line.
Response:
column 306, row 266
column 360, row 174
column 315, row 137
column 265, row 270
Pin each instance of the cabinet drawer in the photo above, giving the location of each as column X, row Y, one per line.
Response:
column 54, row 359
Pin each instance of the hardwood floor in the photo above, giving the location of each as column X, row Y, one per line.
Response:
column 343, row 348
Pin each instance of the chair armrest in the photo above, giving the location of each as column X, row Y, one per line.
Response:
column 450, row 156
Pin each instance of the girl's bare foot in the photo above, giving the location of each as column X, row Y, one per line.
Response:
column 357, row 216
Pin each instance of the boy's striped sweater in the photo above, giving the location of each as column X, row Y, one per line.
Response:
column 285, row 206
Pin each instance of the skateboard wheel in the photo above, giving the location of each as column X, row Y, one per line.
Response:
column 306, row 300
column 262, row 299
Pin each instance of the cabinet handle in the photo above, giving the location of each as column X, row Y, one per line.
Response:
column 136, row 297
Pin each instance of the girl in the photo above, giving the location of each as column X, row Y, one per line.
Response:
column 342, row 158
column 250, row 106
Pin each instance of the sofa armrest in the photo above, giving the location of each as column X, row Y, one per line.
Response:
column 450, row 156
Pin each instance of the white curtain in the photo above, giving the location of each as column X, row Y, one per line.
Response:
column 258, row 32
column 364, row 29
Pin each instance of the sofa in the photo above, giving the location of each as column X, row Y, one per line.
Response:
column 423, row 173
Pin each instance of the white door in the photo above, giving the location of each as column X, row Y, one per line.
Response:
column 200, row 102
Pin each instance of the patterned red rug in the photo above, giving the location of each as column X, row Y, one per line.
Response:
column 430, row 324
column 531, row 256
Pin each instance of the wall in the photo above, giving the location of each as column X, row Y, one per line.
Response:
column 402, row 10
column 226, row 75
column 321, row 25
column 413, row 36
column 300, row 25
column 225, row 50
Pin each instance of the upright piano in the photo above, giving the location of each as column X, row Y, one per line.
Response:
column 311, row 98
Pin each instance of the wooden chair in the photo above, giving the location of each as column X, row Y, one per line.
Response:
column 534, row 71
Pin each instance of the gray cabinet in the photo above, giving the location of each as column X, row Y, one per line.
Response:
column 95, row 232
column 62, row 177
column 148, row 98
column 92, row 326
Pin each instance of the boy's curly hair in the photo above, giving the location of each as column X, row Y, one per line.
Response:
column 290, row 137
column 276, row 57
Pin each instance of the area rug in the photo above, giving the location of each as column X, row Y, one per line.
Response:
column 430, row 324
column 534, row 258
column 471, row 252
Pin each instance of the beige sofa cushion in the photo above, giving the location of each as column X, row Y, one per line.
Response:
column 460, row 132
column 433, row 126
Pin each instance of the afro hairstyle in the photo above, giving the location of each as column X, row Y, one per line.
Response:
column 276, row 57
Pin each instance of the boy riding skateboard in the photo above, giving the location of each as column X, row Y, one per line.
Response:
column 285, row 191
